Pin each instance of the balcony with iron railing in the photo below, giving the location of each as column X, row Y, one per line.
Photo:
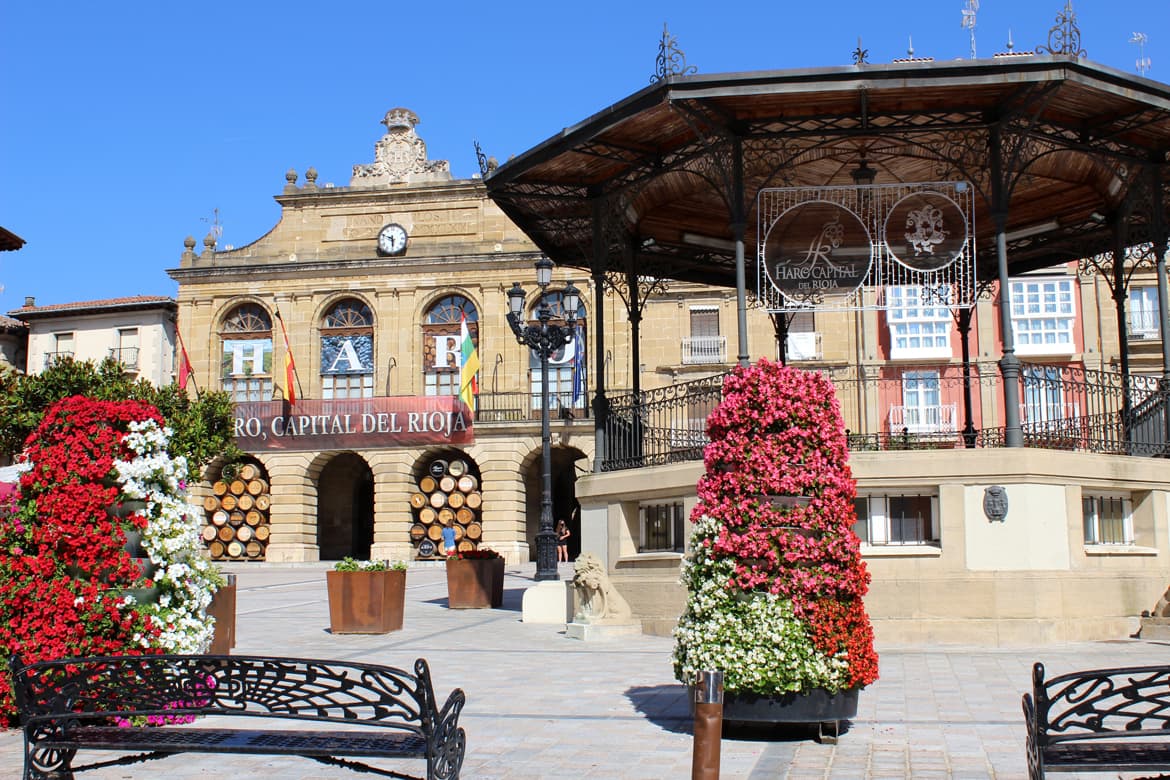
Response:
column 53, row 358
column 700, row 350
column 1144, row 325
column 1083, row 410
column 127, row 357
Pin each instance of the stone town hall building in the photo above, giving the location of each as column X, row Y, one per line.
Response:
column 373, row 283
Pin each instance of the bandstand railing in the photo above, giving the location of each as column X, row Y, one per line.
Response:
column 1062, row 407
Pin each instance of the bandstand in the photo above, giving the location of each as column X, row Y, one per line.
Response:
column 1066, row 165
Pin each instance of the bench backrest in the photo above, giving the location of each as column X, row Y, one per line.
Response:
column 1100, row 703
column 96, row 688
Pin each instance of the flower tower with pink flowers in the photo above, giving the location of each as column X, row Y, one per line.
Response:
column 774, row 573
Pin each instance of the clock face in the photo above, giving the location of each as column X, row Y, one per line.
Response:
column 392, row 239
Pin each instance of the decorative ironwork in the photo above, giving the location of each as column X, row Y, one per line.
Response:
column 1065, row 36
column 869, row 236
column 68, row 704
column 671, row 61
column 860, row 55
column 969, row 14
column 247, row 318
column 487, row 165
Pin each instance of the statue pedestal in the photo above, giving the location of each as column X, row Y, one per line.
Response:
column 548, row 601
column 590, row 632
column 1155, row 628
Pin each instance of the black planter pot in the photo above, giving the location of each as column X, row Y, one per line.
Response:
column 817, row 708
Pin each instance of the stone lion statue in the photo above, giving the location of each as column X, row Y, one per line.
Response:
column 600, row 602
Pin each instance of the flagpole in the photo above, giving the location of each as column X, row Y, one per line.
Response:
column 290, row 365
column 185, row 366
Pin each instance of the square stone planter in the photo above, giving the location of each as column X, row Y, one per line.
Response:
column 475, row 583
column 366, row 602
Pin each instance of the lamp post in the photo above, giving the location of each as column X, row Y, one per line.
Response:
column 545, row 339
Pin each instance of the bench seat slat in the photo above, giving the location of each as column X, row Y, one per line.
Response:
column 302, row 743
column 1097, row 756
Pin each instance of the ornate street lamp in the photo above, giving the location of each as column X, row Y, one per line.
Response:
column 546, row 340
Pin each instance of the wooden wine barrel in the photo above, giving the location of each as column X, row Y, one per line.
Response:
column 437, row 468
column 446, row 516
column 474, row 531
column 253, row 518
column 438, row 499
column 464, row 516
column 465, row 546
column 209, row 533
column 226, row 533
column 237, row 486
column 236, row 518
column 216, row 549
column 254, row 549
column 219, row 488
column 456, row 500
column 263, row 502
column 228, row 502
column 245, row 502
column 244, row 533
column 257, row 486
column 220, row 517
column 435, row 532
column 467, row 483
column 418, row 500
column 235, row 549
column 262, row 532
column 249, row 471
column 475, row 500
column 427, row 515
column 457, row 468
column 418, row 531
column 210, row 504
column 458, row 532
column 447, row 484
column 427, row 484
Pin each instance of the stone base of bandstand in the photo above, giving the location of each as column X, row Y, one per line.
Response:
column 550, row 601
column 1155, row 628
column 591, row 632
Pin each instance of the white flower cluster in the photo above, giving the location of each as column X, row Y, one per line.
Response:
column 185, row 580
column 753, row 638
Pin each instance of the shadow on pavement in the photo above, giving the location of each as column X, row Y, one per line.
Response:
column 663, row 705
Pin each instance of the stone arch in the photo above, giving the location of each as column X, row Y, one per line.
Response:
column 344, row 484
column 564, row 493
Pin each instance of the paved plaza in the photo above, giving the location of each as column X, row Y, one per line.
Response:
column 541, row 705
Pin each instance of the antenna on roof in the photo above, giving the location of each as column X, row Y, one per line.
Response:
column 1143, row 62
column 969, row 21
column 216, row 227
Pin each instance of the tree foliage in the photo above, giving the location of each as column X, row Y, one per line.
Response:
column 202, row 427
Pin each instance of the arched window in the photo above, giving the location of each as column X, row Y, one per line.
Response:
column 568, row 377
column 246, row 363
column 442, row 348
column 347, row 350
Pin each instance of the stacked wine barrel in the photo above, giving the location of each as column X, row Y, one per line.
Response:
column 448, row 495
column 237, row 516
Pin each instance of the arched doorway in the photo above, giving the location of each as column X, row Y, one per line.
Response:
column 345, row 508
column 564, row 496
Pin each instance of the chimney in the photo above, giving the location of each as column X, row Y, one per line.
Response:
column 29, row 301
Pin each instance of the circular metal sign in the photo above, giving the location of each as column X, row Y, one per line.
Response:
column 817, row 249
column 926, row 231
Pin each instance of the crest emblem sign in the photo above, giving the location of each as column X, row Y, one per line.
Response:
column 926, row 231
column 995, row 503
column 817, row 249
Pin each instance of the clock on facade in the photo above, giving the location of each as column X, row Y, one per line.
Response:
column 392, row 239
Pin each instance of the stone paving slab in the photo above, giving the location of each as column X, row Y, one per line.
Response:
column 541, row 705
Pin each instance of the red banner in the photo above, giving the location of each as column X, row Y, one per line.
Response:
column 352, row 423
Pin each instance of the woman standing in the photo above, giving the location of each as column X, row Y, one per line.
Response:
column 562, row 541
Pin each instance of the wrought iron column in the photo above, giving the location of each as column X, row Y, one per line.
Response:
column 969, row 433
column 635, row 312
column 1009, row 364
column 737, row 228
column 1161, row 247
column 600, row 402
column 1120, row 293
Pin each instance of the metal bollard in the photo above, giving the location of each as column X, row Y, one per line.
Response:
column 708, row 732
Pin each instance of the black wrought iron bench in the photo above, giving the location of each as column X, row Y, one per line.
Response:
column 1098, row 720
column 372, row 711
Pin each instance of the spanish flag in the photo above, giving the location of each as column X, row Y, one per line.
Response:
column 468, row 379
column 290, row 368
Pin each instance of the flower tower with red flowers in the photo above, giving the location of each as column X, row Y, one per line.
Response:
column 774, row 573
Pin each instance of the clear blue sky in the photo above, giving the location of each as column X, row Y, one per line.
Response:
column 126, row 124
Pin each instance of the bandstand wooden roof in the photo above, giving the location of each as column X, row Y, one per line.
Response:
column 1066, row 148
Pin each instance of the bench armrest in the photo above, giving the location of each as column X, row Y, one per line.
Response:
column 450, row 740
column 1032, row 739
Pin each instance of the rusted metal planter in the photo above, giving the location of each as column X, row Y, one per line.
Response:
column 475, row 583
column 366, row 602
column 223, row 609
